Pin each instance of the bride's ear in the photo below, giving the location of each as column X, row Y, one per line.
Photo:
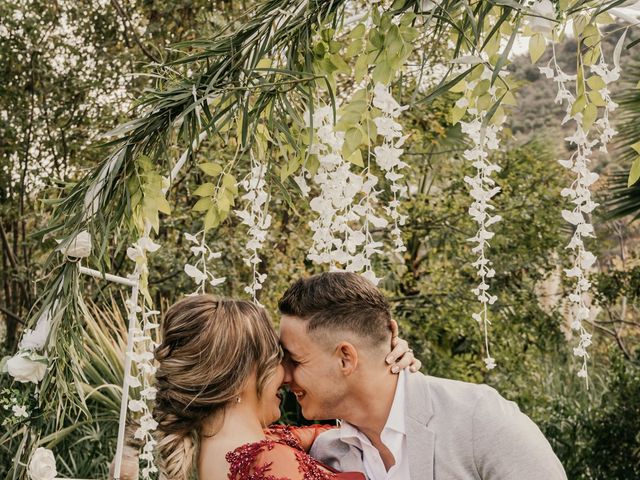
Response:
column 348, row 357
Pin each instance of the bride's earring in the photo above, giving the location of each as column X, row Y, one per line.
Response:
column 238, row 399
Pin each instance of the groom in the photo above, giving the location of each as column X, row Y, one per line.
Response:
column 334, row 329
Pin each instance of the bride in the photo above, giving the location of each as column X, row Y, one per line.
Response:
column 219, row 376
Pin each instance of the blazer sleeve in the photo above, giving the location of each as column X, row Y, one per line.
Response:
column 507, row 444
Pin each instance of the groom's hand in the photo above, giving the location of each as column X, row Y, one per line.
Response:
column 401, row 356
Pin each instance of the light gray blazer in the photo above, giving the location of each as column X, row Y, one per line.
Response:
column 458, row 431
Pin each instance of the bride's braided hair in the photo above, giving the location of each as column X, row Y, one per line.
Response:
column 209, row 349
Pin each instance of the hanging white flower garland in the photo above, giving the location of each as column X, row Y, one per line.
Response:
column 579, row 191
column 256, row 217
column 388, row 155
column 199, row 271
column 335, row 241
column 484, row 137
column 347, row 201
column 142, row 338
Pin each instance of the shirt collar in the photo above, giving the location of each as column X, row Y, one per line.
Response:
column 395, row 421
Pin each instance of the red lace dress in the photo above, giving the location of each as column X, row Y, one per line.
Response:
column 283, row 456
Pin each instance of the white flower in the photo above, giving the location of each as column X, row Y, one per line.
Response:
column 302, row 184
column 79, row 247
column 20, row 411
column 25, row 367
column 542, row 8
column 383, row 100
column 388, row 127
column 490, row 363
column 195, row 273
column 547, row 72
column 147, row 244
column 191, row 238
column 36, row 338
column 149, row 393
column 42, row 465
column 136, row 405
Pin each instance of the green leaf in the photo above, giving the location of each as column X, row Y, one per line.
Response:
column 457, row 113
column 537, row 45
column 352, row 140
column 382, row 73
column 211, row 168
column 595, row 82
column 592, row 55
column 162, row 205
column 203, row 204
column 481, row 88
column 636, row 147
column 394, row 48
column 358, row 32
column 340, row 64
column 229, row 182
column 459, row 87
column 509, row 99
column 591, row 36
column 589, row 116
column 224, row 205
column 205, row 190
column 361, row 68
column 634, row 173
column 354, row 48
column 356, row 158
column 211, row 219
column 596, row 99
column 578, row 105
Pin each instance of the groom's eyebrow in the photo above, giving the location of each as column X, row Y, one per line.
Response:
column 286, row 351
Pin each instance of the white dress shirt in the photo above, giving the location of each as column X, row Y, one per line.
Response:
column 393, row 436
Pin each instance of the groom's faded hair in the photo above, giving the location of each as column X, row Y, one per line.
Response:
column 339, row 301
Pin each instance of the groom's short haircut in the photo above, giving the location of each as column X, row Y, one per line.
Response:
column 339, row 301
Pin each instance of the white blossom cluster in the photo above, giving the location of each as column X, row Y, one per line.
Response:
column 256, row 217
column 388, row 154
column 18, row 410
column 344, row 204
column 579, row 192
column 198, row 271
column 483, row 188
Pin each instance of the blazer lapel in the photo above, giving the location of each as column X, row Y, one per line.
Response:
column 420, row 440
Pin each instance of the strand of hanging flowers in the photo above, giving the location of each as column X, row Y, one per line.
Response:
column 583, row 110
column 142, row 356
column 484, row 139
column 255, row 216
column 388, row 156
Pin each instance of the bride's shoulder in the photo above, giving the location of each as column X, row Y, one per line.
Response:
column 273, row 459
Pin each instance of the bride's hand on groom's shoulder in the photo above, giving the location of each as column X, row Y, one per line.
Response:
column 401, row 355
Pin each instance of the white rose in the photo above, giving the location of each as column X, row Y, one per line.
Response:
column 36, row 338
column 27, row 368
column 42, row 465
column 79, row 247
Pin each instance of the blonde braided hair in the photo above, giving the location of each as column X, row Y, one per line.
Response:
column 209, row 349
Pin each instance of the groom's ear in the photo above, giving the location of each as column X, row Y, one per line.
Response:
column 348, row 357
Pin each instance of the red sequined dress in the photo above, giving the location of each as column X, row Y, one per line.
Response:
column 283, row 456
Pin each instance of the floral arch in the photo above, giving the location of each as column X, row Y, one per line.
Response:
column 303, row 93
